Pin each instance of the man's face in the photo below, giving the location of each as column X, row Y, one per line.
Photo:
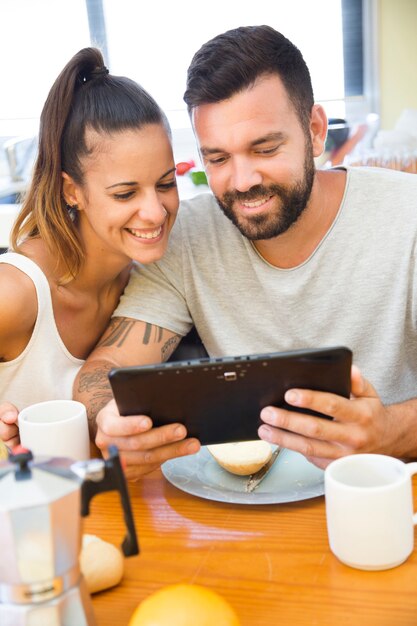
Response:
column 258, row 158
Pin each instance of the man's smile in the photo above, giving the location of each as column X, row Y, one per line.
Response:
column 254, row 204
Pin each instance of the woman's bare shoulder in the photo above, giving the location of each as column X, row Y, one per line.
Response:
column 19, row 301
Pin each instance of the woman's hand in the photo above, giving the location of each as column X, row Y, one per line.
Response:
column 9, row 431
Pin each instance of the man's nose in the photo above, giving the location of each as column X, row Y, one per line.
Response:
column 245, row 175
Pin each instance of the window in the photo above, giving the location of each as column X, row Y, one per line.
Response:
column 158, row 44
column 37, row 39
column 153, row 42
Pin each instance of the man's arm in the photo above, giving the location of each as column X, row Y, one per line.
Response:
column 125, row 342
column 129, row 342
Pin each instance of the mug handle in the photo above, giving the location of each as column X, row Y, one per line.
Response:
column 412, row 469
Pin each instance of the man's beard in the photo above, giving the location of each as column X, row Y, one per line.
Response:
column 294, row 200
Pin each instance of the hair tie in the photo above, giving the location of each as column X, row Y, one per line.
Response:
column 99, row 71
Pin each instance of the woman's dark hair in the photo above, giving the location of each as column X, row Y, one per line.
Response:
column 232, row 62
column 83, row 97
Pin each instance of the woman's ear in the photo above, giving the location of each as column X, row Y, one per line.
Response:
column 318, row 129
column 69, row 190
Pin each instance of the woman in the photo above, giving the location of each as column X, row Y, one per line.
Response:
column 103, row 193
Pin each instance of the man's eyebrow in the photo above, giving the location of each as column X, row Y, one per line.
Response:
column 206, row 151
column 278, row 136
column 131, row 183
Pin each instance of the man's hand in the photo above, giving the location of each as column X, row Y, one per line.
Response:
column 360, row 424
column 142, row 448
column 9, row 432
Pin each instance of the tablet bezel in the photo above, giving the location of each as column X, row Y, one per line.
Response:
column 219, row 399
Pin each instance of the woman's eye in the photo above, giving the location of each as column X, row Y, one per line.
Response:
column 167, row 186
column 123, row 196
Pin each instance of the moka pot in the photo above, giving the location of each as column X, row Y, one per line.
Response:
column 42, row 502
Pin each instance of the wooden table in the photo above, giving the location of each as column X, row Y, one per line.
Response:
column 271, row 562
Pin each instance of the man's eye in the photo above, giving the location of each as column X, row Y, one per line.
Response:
column 216, row 160
column 267, row 150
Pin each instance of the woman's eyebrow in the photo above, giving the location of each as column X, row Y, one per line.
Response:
column 131, row 183
column 127, row 183
column 170, row 171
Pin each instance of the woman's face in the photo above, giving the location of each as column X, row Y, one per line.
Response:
column 129, row 200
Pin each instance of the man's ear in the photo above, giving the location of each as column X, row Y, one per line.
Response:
column 69, row 190
column 318, row 129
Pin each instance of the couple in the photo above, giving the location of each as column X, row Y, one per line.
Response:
column 295, row 258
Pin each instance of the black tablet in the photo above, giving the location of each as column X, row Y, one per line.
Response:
column 219, row 399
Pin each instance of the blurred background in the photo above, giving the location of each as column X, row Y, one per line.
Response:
column 361, row 54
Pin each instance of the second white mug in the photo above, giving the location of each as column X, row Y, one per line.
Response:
column 369, row 510
column 55, row 428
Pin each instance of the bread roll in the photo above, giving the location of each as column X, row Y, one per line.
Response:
column 4, row 453
column 101, row 563
column 243, row 457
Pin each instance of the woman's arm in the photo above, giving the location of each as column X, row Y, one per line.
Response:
column 17, row 319
column 17, row 313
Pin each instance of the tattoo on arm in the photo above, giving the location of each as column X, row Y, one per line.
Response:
column 95, row 383
column 150, row 330
column 119, row 329
column 169, row 347
column 155, row 334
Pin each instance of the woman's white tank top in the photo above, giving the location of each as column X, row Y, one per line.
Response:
column 45, row 370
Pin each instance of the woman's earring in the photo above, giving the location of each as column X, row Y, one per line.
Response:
column 72, row 210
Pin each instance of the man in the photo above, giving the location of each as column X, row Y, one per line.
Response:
column 293, row 258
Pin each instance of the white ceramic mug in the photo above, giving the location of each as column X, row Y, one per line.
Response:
column 369, row 510
column 55, row 428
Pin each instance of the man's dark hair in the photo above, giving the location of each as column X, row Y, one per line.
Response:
column 232, row 62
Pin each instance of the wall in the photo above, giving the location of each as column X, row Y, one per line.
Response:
column 397, row 48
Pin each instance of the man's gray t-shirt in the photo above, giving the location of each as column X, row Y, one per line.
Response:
column 357, row 289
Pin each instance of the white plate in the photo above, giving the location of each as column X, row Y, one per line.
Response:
column 290, row 479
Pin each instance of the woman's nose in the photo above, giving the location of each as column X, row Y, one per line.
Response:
column 151, row 209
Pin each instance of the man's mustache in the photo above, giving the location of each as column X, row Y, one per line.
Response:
column 258, row 191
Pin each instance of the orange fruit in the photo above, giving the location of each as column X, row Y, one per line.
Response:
column 184, row 605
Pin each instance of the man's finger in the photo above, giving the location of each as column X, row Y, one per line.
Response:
column 318, row 428
column 136, row 439
column 360, row 386
column 156, row 456
column 115, row 426
column 304, row 445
